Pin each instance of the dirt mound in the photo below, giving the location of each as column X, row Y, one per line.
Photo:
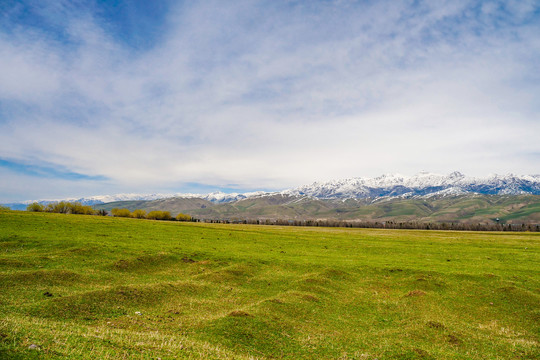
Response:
column 416, row 293
column 310, row 298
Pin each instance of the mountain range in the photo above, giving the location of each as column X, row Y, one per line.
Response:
column 423, row 184
column 424, row 197
column 388, row 186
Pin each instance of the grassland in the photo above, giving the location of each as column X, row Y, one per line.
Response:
column 86, row 287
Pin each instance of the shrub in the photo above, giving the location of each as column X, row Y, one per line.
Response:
column 183, row 217
column 58, row 207
column 102, row 212
column 36, row 207
column 64, row 207
column 78, row 208
column 159, row 215
column 121, row 212
column 138, row 214
column 4, row 208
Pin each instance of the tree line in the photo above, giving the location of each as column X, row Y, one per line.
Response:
column 386, row 224
column 66, row 207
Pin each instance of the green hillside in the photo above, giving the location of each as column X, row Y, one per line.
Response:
column 174, row 205
column 464, row 209
column 89, row 287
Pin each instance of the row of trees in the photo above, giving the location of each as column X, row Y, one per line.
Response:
column 152, row 215
column 388, row 224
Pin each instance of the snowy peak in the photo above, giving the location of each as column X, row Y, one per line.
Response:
column 421, row 184
column 221, row 197
column 456, row 175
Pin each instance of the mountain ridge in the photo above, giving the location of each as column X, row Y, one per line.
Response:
column 423, row 184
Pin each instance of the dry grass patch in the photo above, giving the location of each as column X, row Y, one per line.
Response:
column 416, row 293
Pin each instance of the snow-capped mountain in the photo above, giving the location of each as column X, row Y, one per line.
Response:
column 422, row 184
column 383, row 187
column 215, row 197
column 220, row 197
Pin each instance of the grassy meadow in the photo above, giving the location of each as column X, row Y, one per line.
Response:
column 89, row 287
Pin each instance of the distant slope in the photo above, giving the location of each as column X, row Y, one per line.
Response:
column 462, row 208
column 394, row 186
column 174, row 205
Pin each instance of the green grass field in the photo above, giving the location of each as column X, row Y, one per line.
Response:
column 87, row 287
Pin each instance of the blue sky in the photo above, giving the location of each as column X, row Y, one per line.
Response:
column 104, row 97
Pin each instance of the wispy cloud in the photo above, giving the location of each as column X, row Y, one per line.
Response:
column 44, row 171
column 270, row 94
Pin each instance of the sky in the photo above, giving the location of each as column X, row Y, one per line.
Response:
column 103, row 97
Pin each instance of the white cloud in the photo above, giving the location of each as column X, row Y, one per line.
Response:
column 272, row 95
